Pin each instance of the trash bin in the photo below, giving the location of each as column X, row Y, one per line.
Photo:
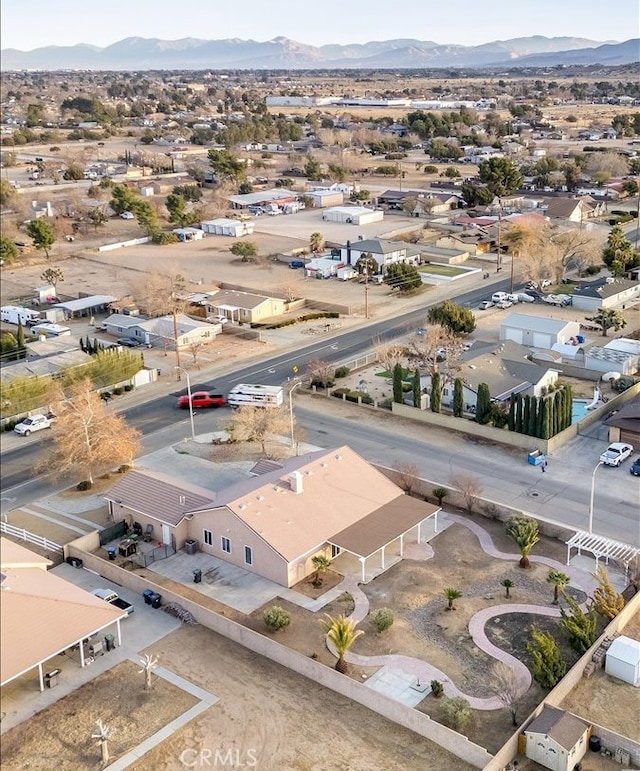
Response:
column 197, row 576
column 156, row 600
column 51, row 678
column 191, row 546
column 148, row 594
column 111, row 551
column 110, row 642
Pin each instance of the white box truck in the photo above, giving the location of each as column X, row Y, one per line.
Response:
column 14, row 314
column 254, row 395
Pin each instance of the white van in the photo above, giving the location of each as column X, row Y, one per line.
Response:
column 497, row 297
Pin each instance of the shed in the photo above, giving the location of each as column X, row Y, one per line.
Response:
column 536, row 331
column 555, row 739
column 352, row 215
column 188, row 234
column 322, row 267
column 322, row 198
column 228, row 227
column 623, row 660
column 346, row 273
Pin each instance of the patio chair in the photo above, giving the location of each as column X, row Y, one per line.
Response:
column 148, row 533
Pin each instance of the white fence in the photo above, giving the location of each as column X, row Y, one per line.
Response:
column 25, row 535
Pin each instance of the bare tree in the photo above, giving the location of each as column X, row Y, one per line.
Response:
column 390, row 355
column 506, row 687
column 322, row 372
column 289, row 292
column 469, row 487
column 88, row 437
column 258, row 424
column 159, row 294
column 435, row 349
column 408, row 475
column 149, row 663
column 194, row 349
column 102, row 734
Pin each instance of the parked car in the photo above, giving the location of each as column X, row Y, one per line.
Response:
column 513, row 298
column 113, row 599
column 504, row 304
column 538, row 284
column 33, row 423
column 127, row 215
column 616, row 453
column 128, row 342
column 220, row 319
column 485, row 305
column 202, row 399
column 296, row 264
column 635, row 467
column 526, row 297
column 497, row 296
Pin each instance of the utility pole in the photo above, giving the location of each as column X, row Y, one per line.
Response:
column 499, row 259
column 366, row 293
column 175, row 342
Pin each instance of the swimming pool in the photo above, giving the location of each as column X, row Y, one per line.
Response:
column 578, row 409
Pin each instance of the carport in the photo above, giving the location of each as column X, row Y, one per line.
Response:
column 374, row 536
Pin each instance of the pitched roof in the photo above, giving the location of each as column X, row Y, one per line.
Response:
column 383, row 246
column 41, row 614
column 627, row 417
column 564, row 728
column 502, row 366
column 158, row 496
column 13, row 555
column 604, row 287
column 237, row 299
column 536, row 323
column 338, row 489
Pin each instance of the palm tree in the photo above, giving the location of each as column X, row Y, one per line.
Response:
column 524, row 531
column 341, row 633
column 508, row 584
column 440, row 493
column 558, row 580
column 321, row 564
column 451, row 595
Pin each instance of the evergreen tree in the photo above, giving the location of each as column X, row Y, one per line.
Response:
column 547, row 665
column 458, row 397
column 436, row 393
column 416, row 389
column 557, row 412
column 540, row 413
column 511, row 419
column 579, row 626
column 397, row 384
column 606, row 601
column 20, row 337
column 483, row 404
column 547, row 417
column 526, row 412
column 519, row 414
column 568, row 406
column 95, row 347
column 533, row 416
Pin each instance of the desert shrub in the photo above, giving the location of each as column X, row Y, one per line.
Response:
column 163, row 239
column 123, row 468
column 382, row 618
column 593, row 270
column 455, row 712
column 437, row 689
column 338, row 392
column 318, row 382
column 341, row 372
column 622, row 383
column 117, row 391
column 353, row 396
column 128, row 387
column 276, row 618
column 84, row 485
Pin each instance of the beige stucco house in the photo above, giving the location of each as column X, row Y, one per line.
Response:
column 274, row 523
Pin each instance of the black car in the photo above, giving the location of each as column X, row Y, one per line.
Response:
column 635, row 467
column 128, row 342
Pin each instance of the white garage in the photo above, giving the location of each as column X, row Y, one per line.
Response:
column 538, row 332
column 623, row 660
column 352, row 215
column 228, row 227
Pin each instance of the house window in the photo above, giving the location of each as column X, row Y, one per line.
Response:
column 335, row 550
column 226, row 544
column 248, row 555
column 445, row 392
column 207, row 537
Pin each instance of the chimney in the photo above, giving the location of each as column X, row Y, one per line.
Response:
column 296, row 482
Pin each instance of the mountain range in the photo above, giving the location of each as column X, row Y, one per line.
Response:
column 137, row 53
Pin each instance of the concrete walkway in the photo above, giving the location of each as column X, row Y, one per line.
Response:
column 405, row 678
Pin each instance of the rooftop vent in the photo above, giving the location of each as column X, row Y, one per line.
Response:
column 183, row 500
column 296, row 480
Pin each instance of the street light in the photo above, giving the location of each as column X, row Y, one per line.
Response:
column 186, row 374
column 291, row 390
column 593, row 491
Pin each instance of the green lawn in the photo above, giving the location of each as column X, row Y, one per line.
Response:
column 442, row 270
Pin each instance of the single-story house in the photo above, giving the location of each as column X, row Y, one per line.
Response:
column 537, row 331
column 352, row 215
column 188, row 234
column 622, row 660
column 228, row 227
column 571, row 209
column 423, row 201
column 42, row 615
column 244, row 306
column 474, row 242
column 605, row 292
column 555, row 739
column 442, row 255
column 326, row 502
column 383, row 252
column 278, row 196
column 624, row 424
column 503, row 367
column 84, row 307
column 45, row 366
column 161, row 331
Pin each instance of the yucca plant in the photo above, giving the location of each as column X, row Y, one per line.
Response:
column 451, row 595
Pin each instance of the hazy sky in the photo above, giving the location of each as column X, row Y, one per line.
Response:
column 29, row 24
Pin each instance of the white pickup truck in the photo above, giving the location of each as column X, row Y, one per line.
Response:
column 33, row 423
column 108, row 595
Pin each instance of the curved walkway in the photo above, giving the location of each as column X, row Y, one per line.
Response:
column 423, row 672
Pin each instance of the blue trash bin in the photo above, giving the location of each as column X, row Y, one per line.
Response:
column 148, row 596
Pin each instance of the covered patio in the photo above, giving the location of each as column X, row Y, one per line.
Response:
column 379, row 540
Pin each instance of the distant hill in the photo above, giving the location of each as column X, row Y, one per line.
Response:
column 137, row 53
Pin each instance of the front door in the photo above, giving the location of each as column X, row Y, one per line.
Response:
column 166, row 535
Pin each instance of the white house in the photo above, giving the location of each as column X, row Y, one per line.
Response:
column 623, row 660
column 161, row 331
column 555, row 739
column 382, row 251
column 606, row 292
column 228, row 227
column 352, row 215
column 323, row 267
column 536, row 331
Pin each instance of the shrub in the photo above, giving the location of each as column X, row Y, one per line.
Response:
column 340, row 391
column 128, row 387
column 455, row 712
column 437, row 689
column 341, row 372
column 622, row 383
column 382, row 618
column 164, row 238
column 593, row 270
column 276, row 618
column 84, row 485
column 117, row 391
column 123, row 468
column 353, row 396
